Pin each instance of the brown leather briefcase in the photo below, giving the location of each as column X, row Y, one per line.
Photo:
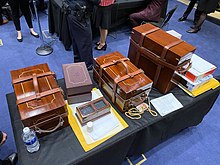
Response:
column 159, row 54
column 40, row 100
column 124, row 83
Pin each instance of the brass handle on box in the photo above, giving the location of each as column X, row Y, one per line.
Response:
column 60, row 124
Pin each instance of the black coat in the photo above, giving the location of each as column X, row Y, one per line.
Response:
column 207, row 6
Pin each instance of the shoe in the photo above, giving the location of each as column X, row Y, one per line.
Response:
column 12, row 159
column 20, row 39
column 194, row 30
column 77, row 58
column 102, row 48
column 4, row 22
column 36, row 36
column 182, row 19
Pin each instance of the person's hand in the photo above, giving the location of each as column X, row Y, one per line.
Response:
column 4, row 138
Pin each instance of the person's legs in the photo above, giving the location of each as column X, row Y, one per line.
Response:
column 24, row 5
column 16, row 17
column 199, row 23
column 188, row 10
column 103, row 36
column 15, row 14
column 197, row 16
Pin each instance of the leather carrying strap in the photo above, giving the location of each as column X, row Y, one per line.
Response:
column 141, row 41
column 158, row 60
column 164, row 52
column 152, row 56
column 39, row 95
column 120, row 79
column 113, row 62
column 22, row 79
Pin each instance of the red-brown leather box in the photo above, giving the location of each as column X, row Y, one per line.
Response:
column 125, row 84
column 78, row 82
column 159, row 54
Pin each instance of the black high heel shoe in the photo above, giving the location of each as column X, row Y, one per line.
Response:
column 193, row 30
column 35, row 35
column 20, row 39
column 102, row 48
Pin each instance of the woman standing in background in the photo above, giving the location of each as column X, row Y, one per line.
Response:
column 24, row 6
column 103, row 22
column 204, row 7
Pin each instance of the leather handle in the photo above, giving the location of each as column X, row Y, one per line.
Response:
column 59, row 124
column 182, row 70
column 125, row 65
column 36, row 87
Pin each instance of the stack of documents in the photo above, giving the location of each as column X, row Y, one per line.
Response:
column 198, row 79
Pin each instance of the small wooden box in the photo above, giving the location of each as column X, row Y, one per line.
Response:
column 78, row 82
column 40, row 100
column 93, row 110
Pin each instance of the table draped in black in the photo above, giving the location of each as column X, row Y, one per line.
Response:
column 62, row 147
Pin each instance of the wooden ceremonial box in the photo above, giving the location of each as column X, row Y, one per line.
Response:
column 39, row 99
column 78, row 82
column 159, row 54
column 93, row 110
column 125, row 84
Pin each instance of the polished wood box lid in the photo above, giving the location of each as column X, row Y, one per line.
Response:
column 31, row 86
column 77, row 79
column 130, row 86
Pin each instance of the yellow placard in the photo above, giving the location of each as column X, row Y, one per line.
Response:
column 211, row 84
column 76, row 129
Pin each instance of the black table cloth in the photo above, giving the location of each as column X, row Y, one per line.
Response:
column 62, row 147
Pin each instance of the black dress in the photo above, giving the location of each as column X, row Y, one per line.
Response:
column 207, row 6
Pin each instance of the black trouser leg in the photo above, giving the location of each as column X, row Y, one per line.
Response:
column 81, row 35
column 24, row 5
column 15, row 13
column 189, row 8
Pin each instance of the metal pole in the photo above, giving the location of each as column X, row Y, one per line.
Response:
column 45, row 49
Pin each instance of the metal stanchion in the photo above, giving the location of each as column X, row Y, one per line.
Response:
column 45, row 48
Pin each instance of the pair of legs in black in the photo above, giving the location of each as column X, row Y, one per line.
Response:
column 23, row 5
column 204, row 7
column 81, row 36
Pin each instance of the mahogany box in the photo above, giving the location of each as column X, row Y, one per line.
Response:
column 159, row 54
column 78, row 82
column 125, row 84
column 39, row 99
